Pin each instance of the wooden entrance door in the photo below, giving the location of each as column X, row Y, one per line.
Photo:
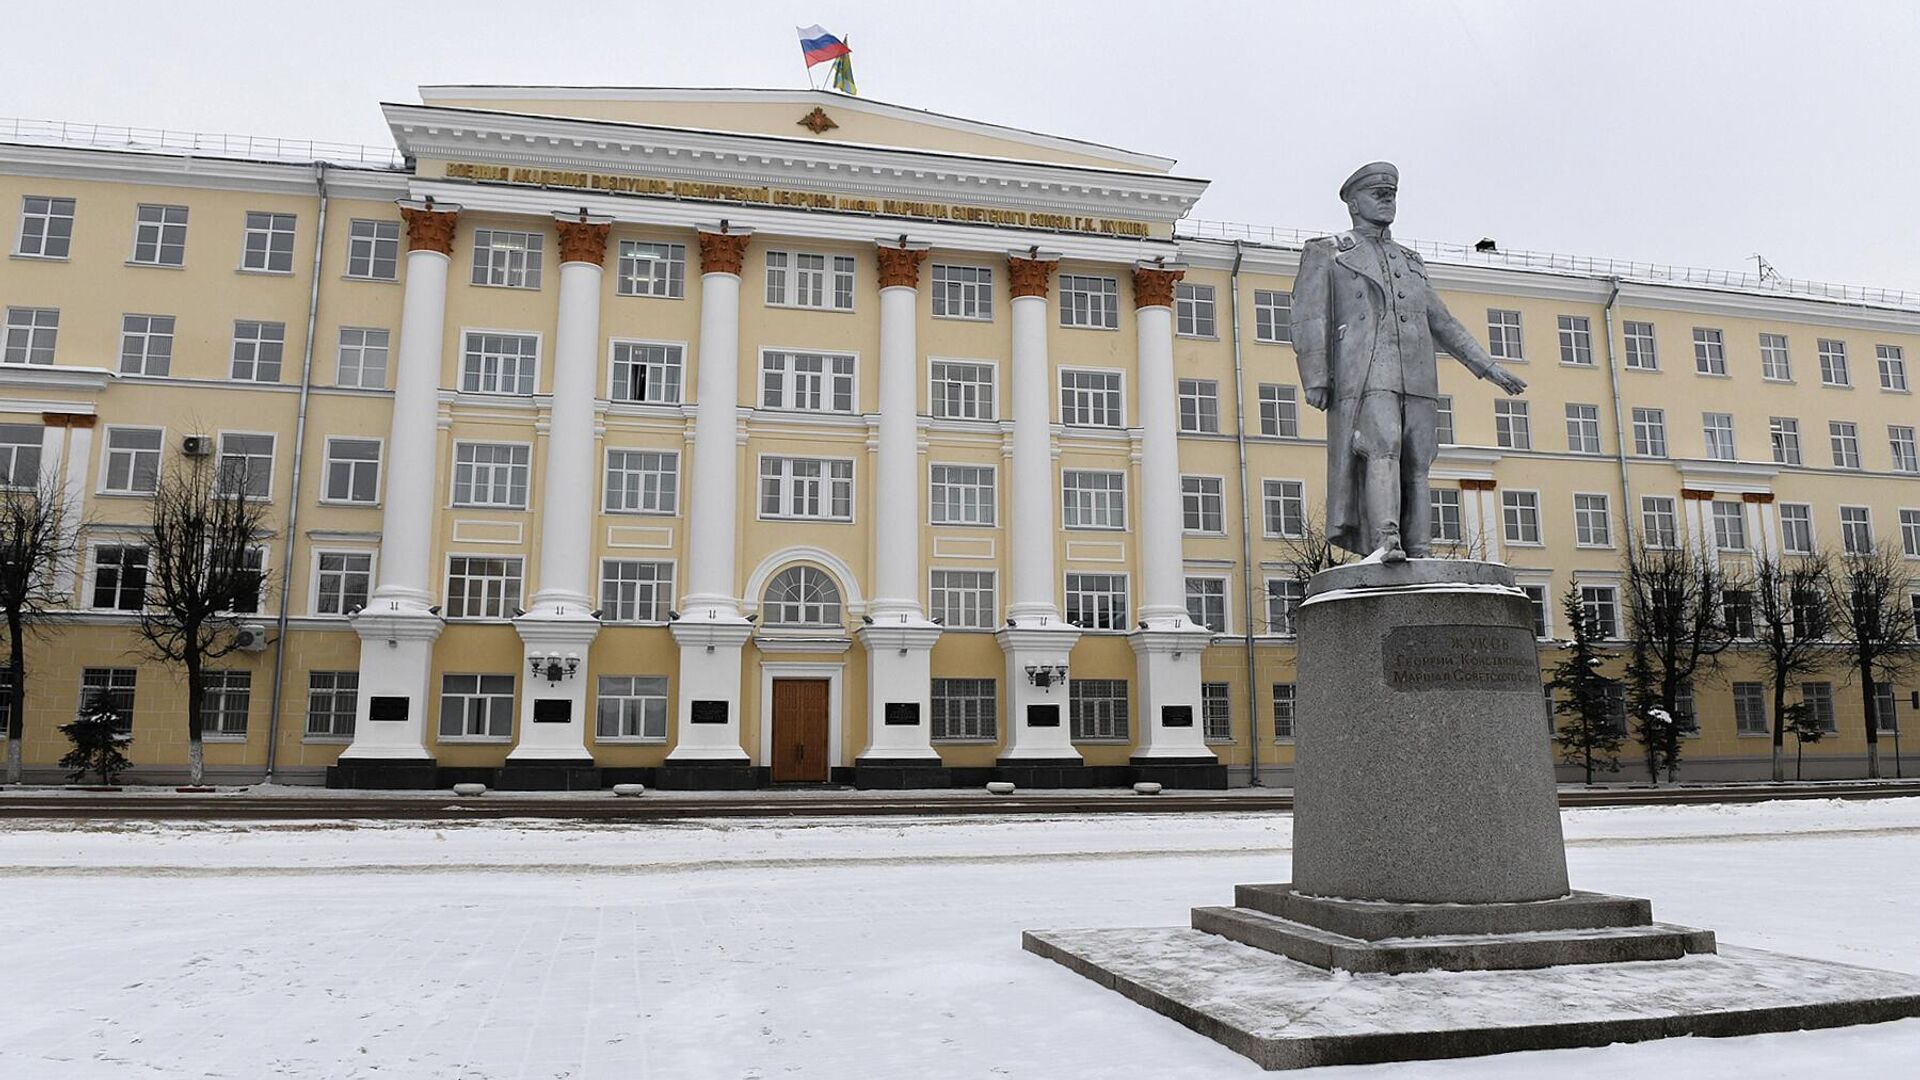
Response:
column 799, row 731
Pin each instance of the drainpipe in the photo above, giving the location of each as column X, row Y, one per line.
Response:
column 299, row 456
column 1627, row 511
column 1246, row 528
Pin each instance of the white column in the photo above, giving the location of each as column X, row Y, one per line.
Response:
column 399, row 624
column 1699, row 511
column 711, row 630
column 900, row 638
column 1168, row 648
column 1769, row 526
column 66, row 451
column 559, row 627
column 1492, row 525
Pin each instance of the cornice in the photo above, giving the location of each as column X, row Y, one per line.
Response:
column 54, row 377
column 179, row 170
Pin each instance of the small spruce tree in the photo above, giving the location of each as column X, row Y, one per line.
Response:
column 98, row 743
column 1806, row 728
column 1589, row 737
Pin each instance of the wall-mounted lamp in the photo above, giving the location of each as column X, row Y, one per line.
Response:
column 555, row 667
column 1045, row 675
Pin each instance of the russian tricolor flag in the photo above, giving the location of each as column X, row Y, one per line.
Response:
column 820, row 46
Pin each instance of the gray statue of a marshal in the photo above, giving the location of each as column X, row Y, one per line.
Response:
column 1365, row 326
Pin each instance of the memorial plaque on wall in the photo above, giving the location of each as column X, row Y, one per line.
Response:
column 1461, row 657
column 903, row 713
column 552, row 710
column 386, row 708
column 1043, row 716
column 709, row 712
column 1176, row 716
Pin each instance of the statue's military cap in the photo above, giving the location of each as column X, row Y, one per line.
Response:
column 1371, row 170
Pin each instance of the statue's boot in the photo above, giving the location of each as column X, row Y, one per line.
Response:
column 1383, row 506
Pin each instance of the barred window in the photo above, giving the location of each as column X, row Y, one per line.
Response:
column 373, row 250
column 268, row 243
column 226, row 697
column 1089, row 302
column 115, row 687
column 642, row 482
column 1273, row 316
column 258, row 350
column 635, row 590
column 494, row 363
column 1097, row 601
column 960, row 390
column 1207, row 602
column 476, row 706
column 631, row 707
column 1818, row 698
column 964, row 710
column 146, row 344
column 646, row 371
column 1279, row 411
column 1284, row 597
column 1202, row 505
column 1093, row 499
column 807, row 382
column 482, row 587
column 1283, row 714
column 962, row 292
column 1200, row 406
column 1216, row 711
column 1099, row 709
column 818, row 488
column 961, row 494
column 963, row 598
column 650, row 269
column 342, row 581
column 332, row 697
column 490, row 474
column 1286, row 507
column 1090, row 399
column 1193, row 310
column 509, row 259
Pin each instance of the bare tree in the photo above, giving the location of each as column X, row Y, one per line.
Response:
column 1790, row 626
column 202, row 576
column 1676, row 620
column 1868, row 593
column 35, row 547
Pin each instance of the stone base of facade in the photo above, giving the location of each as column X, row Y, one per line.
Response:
column 580, row 775
column 696, row 775
column 1048, row 773
column 900, row 774
column 385, row 774
column 1186, row 774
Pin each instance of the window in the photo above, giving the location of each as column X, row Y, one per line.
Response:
column 482, row 587
column 802, row 596
column 1286, row 507
column 1537, row 600
column 1784, row 432
column 1583, row 429
column 146, row 344
column 631, row 707
column 1900, row 443
column 642, row 482
column 258, row 348
column 20, row 447
column 800, row 279
column 268, row 243
column 806, row 382
column 1658, row 522
column 1736, row 611
column 649, row 269
column 1099, row 709
column 1809, row 611
column 246, row 465
column 1818, row 697
column 133, row 460
column 1097, row 601
column 1443, row 419
column 1885, row 709
column 635, row 590
column 1216, row 711
column 1709, row 352
column 363, row 358
column 1284, row 597
column 1893, row 367
column 1283, row 699
column 1600, row 607
column 1749, row 708
column 1512, row 427
column 1796, row 528
column 792, row 487
column 373, row 250
column 1845, row 437
column 1089, row 302
column 331, row 699
column 1729, row 526
column 510, row 259
column 476, row 706
column 1520, row 515
column 1650, row 432
column 1717, row 429
column 962, row 292
column 1444, row 515
column 1576, row 340
column 1279, row 411
column 644, row 371
column 160, row 236
column 963, row 598
column 1833, row 363
column 1090, row 399
column 46, row 227
column 1200, row 406
column 496, row 363
column 224, row 703
column 960, row 390
column 1856, row 530
column 1207, row 602
column 961, row 494
column 1193, row 310
column 1774, row 363
column 1202, row 509
column 1273, row 316
column 116, row 685
column 1591, row 521
column 964, row 710
column 490, row 474
column 119, row 577
column 342, row 580
column 1641, row 355
column 1503, row 334
column 30, row 335
column 353, row 470
column 1910, row 533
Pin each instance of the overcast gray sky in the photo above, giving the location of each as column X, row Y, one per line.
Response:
column 1686, row 131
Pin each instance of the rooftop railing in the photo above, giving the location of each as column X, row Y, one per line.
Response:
column 208, row 144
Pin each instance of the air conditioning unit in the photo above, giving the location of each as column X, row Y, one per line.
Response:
column 196, row 445
column 251, row 637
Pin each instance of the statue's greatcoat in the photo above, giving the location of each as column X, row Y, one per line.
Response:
column 1366, row 320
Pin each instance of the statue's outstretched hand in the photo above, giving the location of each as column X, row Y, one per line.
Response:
column 1508, row 381
column 1317, row 397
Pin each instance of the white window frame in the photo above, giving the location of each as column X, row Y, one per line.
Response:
column 1204, row 396
column 1595, row 596
column 1902, row 445
column 1111, row 713
column 1659, row 521
column 1282, row 597
column 526, row 486
column 640, row 705
column 985, row 498
column 372, row 340
column 665, row 484
column 1512, row 513
column 259, row 339
column 1576, row 340
column 332, row 692
column 107, row 455
column 366, row 239
column 94, row 548
column 272, row 456
column 1504, row 340
column 1279, row 410
column 1195, row 311
column 983, row 598
column 1216, row 712
column 1275, row 490
column 1586, row 533
column 497, row 706
column 149, row 361
column 1203, row 505
column 21, row 456
column 652, row 256
column 1783, row 437
column 153, row 231
column 1114, row 398
column 1711, row 428
column 1540, row 603
column 1512, row 424
column 1843, row 437
column 32, row 336
column 962, row 291
column 276, row 233
column 1089, row 302
column 1109, row 604
column 1445, row 521
column 786, row 492
column 1583, row 431
column 519, row 262
column 1222, row 595
column 614, row 603
column 1834, row 370
column 316, row 604
column 1856, row 530
column 979, row 719
column 46, row 217
column 1287, row 694
column 1640, row 346
column 513, row 575
column 1776, row 358
column 833, row 285
column 1800, row 518
column 781, row 378
column 217, row 706
column 1750, row 698
column 1650, row 432
column 826, row 596
column 1891, row 360
column 943, row 389
column 525, row 375
column 1709, row 352
column 1273, row 316
column 1728, row 520
column 668, row 371
column 1910, row 532
column 354, row 466
column 1103, row 507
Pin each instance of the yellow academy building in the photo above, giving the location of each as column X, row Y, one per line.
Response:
column 715, row 438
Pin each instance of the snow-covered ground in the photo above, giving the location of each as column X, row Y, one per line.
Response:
column 835, row 948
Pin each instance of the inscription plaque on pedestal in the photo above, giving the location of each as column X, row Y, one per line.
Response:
column 1461, row 657
column 903, row 714
column 1043, row 716
column 552, row 710
column 1176, row 716
column 709, row 712
column 383, row 707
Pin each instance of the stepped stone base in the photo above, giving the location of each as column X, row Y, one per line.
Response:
column 580, row 775
column 876, row 774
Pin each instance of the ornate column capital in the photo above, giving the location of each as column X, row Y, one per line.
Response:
column 1153, row 284
column 900, row 264
column 430, row 227
column 1696, row 494
column 1469, row 483
column 583, row 238
column 1030, row 274
column 723, row 252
